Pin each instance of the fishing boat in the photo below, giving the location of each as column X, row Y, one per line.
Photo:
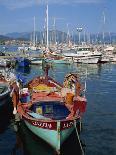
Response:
column 7, row 77
column 50, row 109
column 4, row 62
column 4, row 91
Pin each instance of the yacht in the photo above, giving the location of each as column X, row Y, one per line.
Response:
column 108, row 54
column 84, row 54
column 4, row 62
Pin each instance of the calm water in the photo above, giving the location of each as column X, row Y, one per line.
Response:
column 99, row 127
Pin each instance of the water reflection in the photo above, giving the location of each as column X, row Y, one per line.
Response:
column 5, row 116
column 29, row 144
column 25, row 70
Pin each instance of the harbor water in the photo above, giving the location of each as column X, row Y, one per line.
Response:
column 98, row 134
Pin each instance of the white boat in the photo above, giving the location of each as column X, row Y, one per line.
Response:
column 4, row 62
column 33, row 48
column 108, row 54
column 23, row 48
column 84, row 54
column 35, row 61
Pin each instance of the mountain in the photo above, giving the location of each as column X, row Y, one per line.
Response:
column 2, row 37
column 59, row 36
column 17, row 35
column 40, row 35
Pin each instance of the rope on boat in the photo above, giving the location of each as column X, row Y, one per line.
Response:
column 85, row 83
column 78, row 137
column 80, row 125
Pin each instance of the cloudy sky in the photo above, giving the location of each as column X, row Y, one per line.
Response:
column 91, row 15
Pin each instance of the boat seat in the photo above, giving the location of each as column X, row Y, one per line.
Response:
column 38, row 116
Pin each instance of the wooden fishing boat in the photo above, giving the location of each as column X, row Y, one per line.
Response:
column 7, row 78
column 4, row 91
column 43, row 108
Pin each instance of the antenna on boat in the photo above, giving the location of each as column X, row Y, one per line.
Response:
column 45, row 67
column 47, row 26
column 78, row 137
column 104, row 22
column 34, row 33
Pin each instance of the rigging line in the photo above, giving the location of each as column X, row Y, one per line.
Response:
column 85, row 83
column 78, row 137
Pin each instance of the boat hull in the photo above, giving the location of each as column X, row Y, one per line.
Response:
column 54, row 137
column 4, row 97
column 36, row 61
column 61, row 62
column 88, row 60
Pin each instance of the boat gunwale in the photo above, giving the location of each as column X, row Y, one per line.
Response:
column 22, row 107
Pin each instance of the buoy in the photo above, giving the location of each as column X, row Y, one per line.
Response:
column 14, row 111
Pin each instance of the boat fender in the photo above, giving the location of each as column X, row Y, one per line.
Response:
column 14, row 111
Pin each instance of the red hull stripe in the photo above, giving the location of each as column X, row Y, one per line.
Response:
column 51, row 125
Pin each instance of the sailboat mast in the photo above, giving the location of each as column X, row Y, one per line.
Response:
column 104, row 21
column 54, row 30
column 47, row 25
column 34, row 33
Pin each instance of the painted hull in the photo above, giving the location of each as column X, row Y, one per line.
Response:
column 61, row 62
column 53, row 131
column 4, row 96
column 54, row 137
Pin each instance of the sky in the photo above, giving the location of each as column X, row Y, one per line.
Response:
column 93, row 16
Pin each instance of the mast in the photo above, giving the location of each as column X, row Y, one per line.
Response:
column 34, row 33
column 54, row 30
column 104, row 21
column 47, row 25
column 68, row 35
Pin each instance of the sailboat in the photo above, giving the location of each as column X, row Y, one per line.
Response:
column 52, row 56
